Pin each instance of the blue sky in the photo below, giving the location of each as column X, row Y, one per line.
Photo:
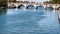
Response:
column 39, row 0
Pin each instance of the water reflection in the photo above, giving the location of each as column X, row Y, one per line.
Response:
column 40, row 8
column 49, row 8
column 3, row 11
column 3, row 25
column 29, row 22
column 21, row 7
column 30, row 7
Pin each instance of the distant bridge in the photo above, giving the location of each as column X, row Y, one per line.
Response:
column 26, row 5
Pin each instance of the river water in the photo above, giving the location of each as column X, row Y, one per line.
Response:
column 20, row 21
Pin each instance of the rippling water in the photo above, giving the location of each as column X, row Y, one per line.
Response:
column 19, row 21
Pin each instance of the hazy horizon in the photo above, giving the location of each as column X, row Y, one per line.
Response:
column 37, row 0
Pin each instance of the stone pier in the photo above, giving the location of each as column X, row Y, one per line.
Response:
column 17, row 4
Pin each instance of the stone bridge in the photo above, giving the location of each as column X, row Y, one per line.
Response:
column 26, row 5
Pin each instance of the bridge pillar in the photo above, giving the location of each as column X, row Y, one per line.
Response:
column 59, row 16
column 59, row 8
column 16, row 5
column 25, row 6
column 55, row 7
column 45, row 7
column 35, row 6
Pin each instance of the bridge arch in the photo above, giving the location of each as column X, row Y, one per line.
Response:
column 13, row 6
column 40, row 7
column 49, row 8
column 58, row 8
column 21, row 6
column 30, row 7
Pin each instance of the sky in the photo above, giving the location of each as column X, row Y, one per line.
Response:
column 39, row 0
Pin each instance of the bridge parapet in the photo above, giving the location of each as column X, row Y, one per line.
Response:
column 54, row 6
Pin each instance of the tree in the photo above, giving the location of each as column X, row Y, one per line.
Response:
column 55, row 1
column 3, row 2
column 11, row 0
column 58, row 1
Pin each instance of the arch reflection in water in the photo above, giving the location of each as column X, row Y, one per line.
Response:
column 49, row 8
column 3, row 11
column 30, row 7
column 40, row 7
column 21, row 6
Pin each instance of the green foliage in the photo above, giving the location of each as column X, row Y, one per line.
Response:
column 3, row 2
column 12, row 1
column 53, row 1
column 58, row 1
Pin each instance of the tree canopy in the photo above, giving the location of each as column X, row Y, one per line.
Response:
column 11, row 0
column 3, row 3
